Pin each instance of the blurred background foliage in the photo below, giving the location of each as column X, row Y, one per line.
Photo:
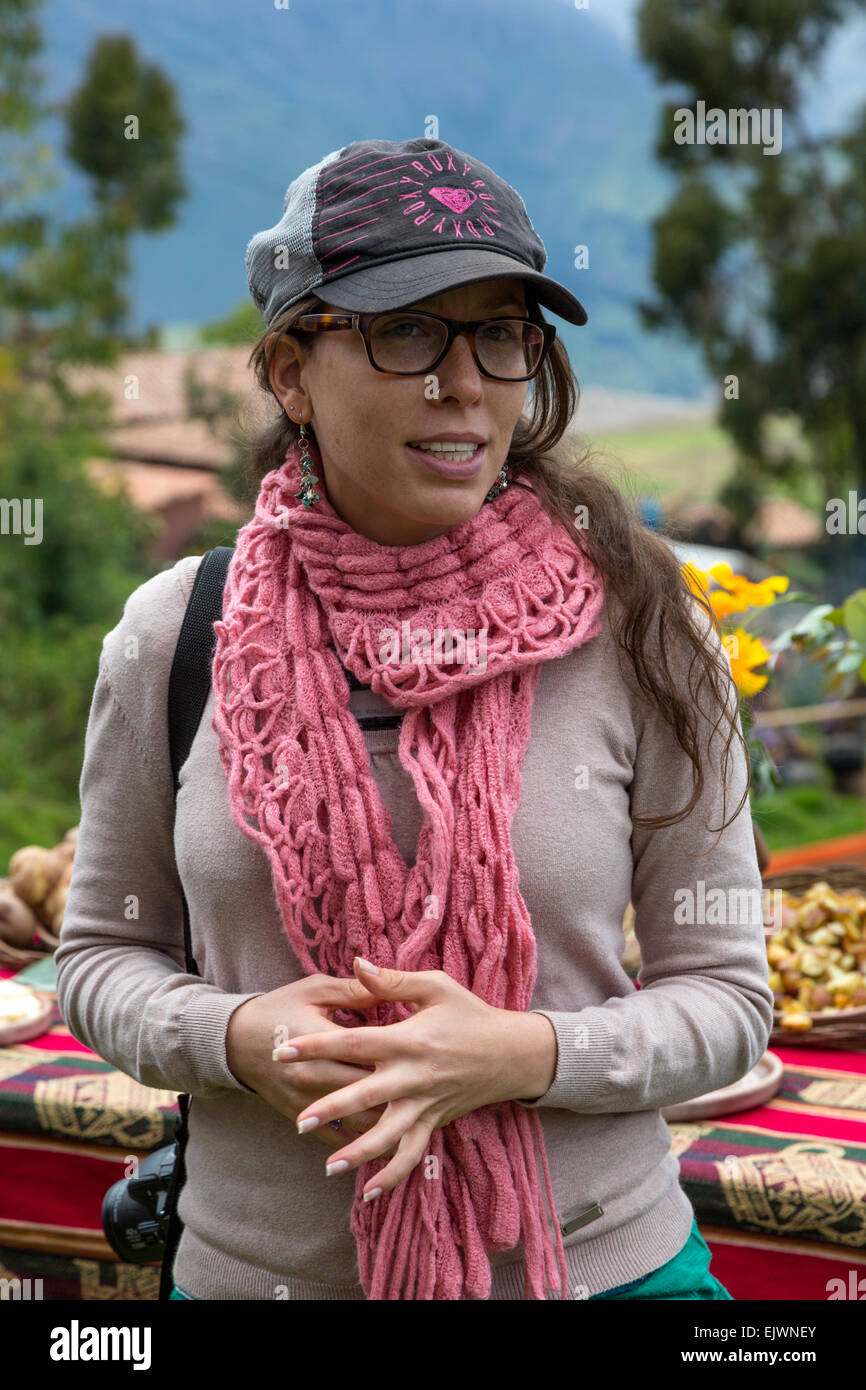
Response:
column 62, row 302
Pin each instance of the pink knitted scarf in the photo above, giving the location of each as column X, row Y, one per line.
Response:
column 297, row 764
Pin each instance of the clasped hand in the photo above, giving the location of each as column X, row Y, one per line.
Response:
column 455, row 1054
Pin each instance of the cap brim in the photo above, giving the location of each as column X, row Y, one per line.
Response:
column 404, row 280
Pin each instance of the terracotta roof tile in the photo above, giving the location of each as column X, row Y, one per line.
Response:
column 158, row 377
column 783, row 522
column 155, row 487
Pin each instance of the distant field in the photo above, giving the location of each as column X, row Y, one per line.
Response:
column 680, row 463
column 689, row 460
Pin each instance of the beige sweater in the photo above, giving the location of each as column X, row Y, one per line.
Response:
column 262, row 1219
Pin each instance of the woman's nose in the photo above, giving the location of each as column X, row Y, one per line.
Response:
column 458, row 367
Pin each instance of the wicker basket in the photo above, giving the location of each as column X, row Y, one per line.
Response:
column 16, row 957
column 828, row 1029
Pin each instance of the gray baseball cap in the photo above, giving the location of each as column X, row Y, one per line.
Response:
column 380, row 224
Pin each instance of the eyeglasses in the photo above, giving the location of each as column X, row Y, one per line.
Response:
column 410, row 343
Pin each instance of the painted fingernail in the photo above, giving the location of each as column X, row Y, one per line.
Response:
column 368, row 1196
column 309, row 1123
column 337, row 1167
column 284, row 1054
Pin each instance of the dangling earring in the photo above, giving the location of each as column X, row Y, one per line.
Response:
column 307, row 493
column 500, row 484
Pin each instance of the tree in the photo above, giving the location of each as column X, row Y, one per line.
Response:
column 62, row 301
column 123, row 130
column 761, row 257
column 62, row 296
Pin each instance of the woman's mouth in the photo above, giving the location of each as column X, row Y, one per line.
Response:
column 449, row 460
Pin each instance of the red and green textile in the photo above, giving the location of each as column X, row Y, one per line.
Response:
column 780, row 1190
column 69, row 1123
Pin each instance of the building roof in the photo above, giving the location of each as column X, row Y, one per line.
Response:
column 168, row 463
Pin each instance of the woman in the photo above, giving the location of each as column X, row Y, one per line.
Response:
column 472, row 817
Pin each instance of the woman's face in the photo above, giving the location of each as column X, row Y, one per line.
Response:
column 363, row 420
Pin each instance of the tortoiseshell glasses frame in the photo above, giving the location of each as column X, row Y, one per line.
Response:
column 469, row 327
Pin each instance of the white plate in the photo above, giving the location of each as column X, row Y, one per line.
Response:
column 753, row 1089
column 29, row 1027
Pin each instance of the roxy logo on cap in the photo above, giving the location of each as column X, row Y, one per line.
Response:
column 431, row 193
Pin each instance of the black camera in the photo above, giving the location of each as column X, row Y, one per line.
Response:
column 134, row 1210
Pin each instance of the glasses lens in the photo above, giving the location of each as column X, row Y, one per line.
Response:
column 406, row 342
column 508, row 348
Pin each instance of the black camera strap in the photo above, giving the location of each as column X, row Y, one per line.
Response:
column 188, row 689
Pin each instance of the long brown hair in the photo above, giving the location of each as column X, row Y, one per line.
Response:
column 636, row 565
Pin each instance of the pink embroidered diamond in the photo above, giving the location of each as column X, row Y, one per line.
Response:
column 457, row 199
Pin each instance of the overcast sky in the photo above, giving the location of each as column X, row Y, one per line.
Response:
column 616, row 13
column 833, row 96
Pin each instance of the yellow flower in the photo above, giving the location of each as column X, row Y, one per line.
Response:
column 747, row 594
column 696, row 579
column 744, row 653
column 721, row 603
column 724, row 604
column 736, row 593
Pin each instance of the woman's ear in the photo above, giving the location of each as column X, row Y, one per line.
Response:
column 284, row 373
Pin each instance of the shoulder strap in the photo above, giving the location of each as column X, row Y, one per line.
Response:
column 190, row 678
column 188, row 689
column 189, row 681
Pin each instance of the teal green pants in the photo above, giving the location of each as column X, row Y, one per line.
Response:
column 687, row 1275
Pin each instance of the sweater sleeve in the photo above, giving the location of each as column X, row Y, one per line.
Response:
column 122, row 984
column 704, row 1011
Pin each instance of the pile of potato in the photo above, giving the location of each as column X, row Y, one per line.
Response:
column 33, row 897
column 818, row 958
